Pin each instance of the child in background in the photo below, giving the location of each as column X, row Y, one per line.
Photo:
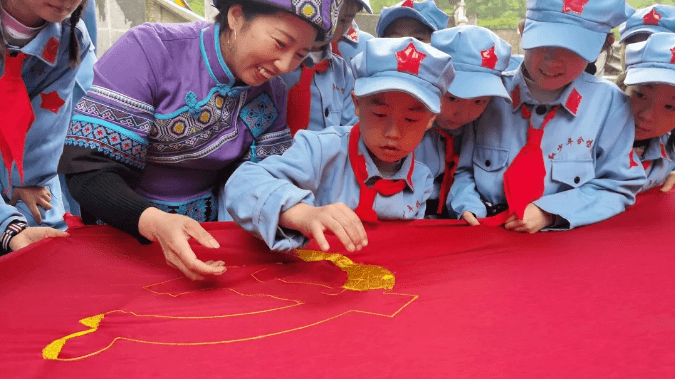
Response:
column 334, row 179
column 650, row 77
column 352, row 40
column 40, row 57
column 640, row 25
column 319, row 90
column 411, row 19
column 575, row 166
column 479, row 56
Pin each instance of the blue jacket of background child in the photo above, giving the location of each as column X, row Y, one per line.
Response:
column 50, row 81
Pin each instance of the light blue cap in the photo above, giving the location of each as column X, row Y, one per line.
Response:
column 403, row 65
column 577, row 25
column 479, row 56
column 426, row 12
column 366, row 5
column 651, row 61
column 653, row 19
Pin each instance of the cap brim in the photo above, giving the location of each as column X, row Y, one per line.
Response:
column 469, row 85
column 585, row 43
column 643, row 30
column 366, row 6
column 642, row 75
column 397, row 13
column 418, row 88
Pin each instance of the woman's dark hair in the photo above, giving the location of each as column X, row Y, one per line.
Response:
column 73, row 44
column 251, row 10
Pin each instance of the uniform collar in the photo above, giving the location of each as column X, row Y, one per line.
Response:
column 405, row 172
column 657, row 148
column 212, row 56
column 569, row 99
column 352, row 34
column 314, row 58
column 45, row 46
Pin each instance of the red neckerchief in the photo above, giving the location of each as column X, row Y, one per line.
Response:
column 524, row 179
column 451, row 161
column 300, row 98
column 16, row 113
column 385, row 187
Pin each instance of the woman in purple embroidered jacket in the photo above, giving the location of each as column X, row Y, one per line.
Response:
column 175, row 107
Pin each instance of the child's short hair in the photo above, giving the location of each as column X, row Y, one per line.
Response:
column 579, row 26
column 426, row 12
column 404, row 65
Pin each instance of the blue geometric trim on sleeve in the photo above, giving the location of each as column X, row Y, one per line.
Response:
column 202, row 209
column 107, row 141
column 259, row 114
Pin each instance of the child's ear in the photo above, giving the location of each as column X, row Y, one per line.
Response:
column 431, row 121
column 235, row 17
column 356, row 104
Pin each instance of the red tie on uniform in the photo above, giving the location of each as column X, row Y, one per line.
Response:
column 300, row 98
column 336, row 49
column 451, row 160
column 385, row 187
column 524, row 179
column 16, row 113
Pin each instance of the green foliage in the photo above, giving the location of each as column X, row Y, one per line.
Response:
column 504, row 22
column 198, row 6
column 637, row 4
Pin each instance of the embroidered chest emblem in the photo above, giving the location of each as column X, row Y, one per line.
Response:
column 663, row 150
column 51, row 50
column 51, row 102
column 631, row 157
column 352, row 34
column 489, row 58
column 576, row 6
column 651, row 18
column 672, row 52
column 259, row 114
column 409, row 59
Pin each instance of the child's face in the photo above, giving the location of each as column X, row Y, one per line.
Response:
column 392, row 123
column 653, row 109
column 408, row 27
column 34, row 12
column 552, row 68
column 347, row 14
column 456, row 111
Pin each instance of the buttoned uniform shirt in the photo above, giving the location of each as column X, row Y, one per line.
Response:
column 353, row 42
column 49, row 81
column 331, row 92
column 431, row 152
column 658, row 160
column 587, row 150
column 317, row 171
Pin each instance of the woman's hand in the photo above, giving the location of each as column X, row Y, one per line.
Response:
column 338, row 218
column 533, row 220
column 31, row 235
column 33, row 196
column 668, row 184
column 173, row 231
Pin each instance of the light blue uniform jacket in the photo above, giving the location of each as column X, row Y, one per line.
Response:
column 431, row 152
column 353, row 42
column 658, row 161
column 586, row 149
column 317, row 171
column 49, row 81
column 332, row 103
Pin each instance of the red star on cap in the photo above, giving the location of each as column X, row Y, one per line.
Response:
column 672, row 58
column 489, row 58
column 515, row 97
column 631, row 156
column 573, row 101
column 409, row 59
column 408, row 3
column 576, row 6
column 651, row 18
column 51, row 102
column 51, row 50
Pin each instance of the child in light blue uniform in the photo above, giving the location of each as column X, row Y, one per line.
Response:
column 479, row 56
column 319, row 90
column 411, row 19
column 353, row 42
column 51, row 49
column 335, row 178
column 583, row 157
column 650, row 77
